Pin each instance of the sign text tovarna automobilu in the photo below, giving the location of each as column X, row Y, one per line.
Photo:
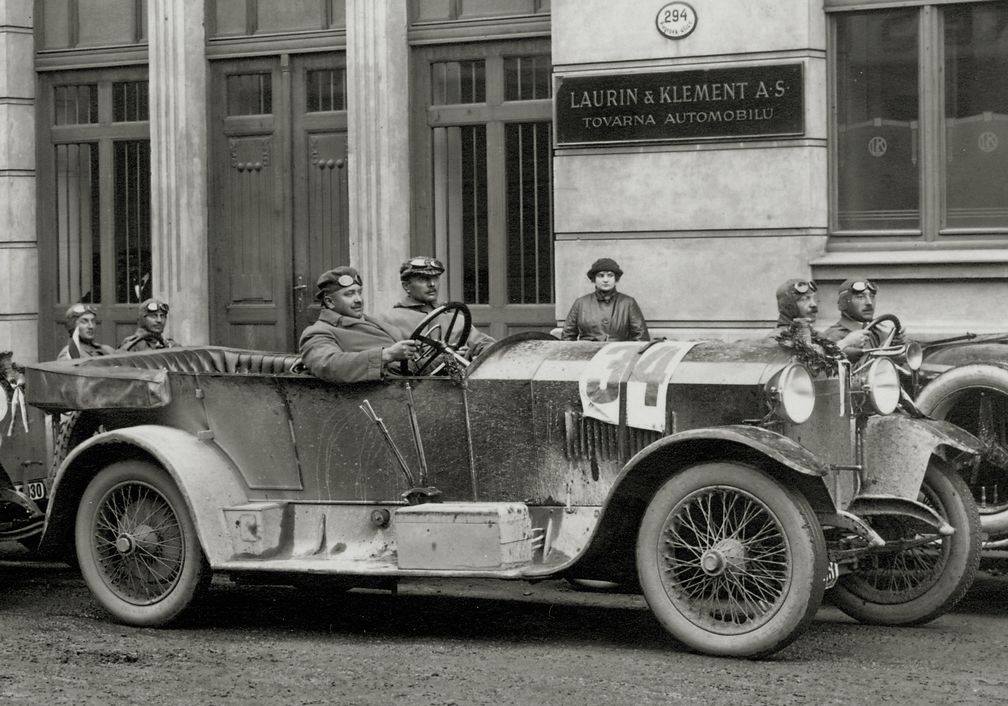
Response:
column 712, row 104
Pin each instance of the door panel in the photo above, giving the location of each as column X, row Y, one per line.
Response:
column 279, row 185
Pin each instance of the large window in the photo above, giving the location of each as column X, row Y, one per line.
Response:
column 95, row 196
column 920, row 135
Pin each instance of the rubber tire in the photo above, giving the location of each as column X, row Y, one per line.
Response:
column 956, row 577
column 195, row 575
column 808, row 560
column 942, row 391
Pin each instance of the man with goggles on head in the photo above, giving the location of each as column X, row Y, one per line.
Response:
column 151, row 320
column 345, row 345
column 856, row 301
column 420, row 277
column 797, row 301
column 81, row 324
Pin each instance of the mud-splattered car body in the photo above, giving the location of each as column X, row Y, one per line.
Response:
column 668, row 464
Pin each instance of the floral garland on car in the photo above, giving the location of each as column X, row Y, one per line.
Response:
column 816, row 353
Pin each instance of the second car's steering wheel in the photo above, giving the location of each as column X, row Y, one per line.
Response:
column 897, row 327
column 435, row 339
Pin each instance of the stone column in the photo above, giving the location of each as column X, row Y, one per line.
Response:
column 178, row 131
column 19, row 274
column 378, row 135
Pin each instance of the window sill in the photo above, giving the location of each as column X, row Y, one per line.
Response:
column 914, row 264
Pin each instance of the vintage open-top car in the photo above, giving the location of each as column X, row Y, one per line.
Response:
column 733, row 484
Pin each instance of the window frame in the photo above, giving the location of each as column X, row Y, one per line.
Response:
column 931, row 111
column 104, row 134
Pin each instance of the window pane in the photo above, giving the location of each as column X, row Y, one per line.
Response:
column 131, row 197
column 56, row 23
column 289, row 15
column 427, row 10
column 976, row 116
column 230, row 17
column 458, row 82
column 77, row 247
column 129, row 101
column 496, row 8
column 475, row 243
column 250, row 94
column 75, row 105
column 529, row 226
column 106, row 22
column 877, row 121
column 527, row 78
column 326, row 90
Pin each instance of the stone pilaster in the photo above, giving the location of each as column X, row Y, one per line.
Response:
column 178, row 132
column 378, row 126
column 19, row 275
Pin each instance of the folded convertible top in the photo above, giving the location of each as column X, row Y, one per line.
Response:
column 63, row 386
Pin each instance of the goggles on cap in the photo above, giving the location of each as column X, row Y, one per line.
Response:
column 426, row 262
column 152, row 307
column 78, row 310
column 348, row 280
column 805, row 286
column 863, row 286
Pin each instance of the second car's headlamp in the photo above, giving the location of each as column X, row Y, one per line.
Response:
column 881, row 385
column 793, row 393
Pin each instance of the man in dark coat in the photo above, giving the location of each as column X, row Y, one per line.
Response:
column 344, row 344
column 152, row 317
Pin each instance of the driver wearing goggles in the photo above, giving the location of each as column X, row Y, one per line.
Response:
column 421, row 281
column 856, row 301
column 345, row 344
column 152, row 317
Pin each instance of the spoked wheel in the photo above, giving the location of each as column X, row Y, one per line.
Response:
column 137, row 546
column 975, row 397
column 730, row 561
column 927, row 579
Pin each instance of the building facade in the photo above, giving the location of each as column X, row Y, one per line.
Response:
column 222, row 153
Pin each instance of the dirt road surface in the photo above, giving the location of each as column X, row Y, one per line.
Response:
column 468, row 642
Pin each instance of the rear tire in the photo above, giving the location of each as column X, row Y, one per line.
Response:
column 917, row 585
column 137, row 545
column 731, row 562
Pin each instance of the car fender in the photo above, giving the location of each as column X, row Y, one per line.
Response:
column 205, row 476
column 609, row 550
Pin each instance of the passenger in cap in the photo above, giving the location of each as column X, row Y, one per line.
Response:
column 81, row 324
column 605, row 314
column 856, row 301
column 421, row 281
column 152, row 316
column 345, row 344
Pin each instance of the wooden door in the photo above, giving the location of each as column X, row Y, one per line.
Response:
column 279, row 189
column 321, row 191
column 249, row 234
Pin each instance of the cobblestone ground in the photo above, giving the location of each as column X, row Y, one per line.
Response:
column 464, row 642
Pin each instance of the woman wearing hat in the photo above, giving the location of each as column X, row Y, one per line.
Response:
column 605, row 314
column 81, row 325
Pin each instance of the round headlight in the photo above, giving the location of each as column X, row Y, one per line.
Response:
column 914, row 355
column 795, row 394
column 882, row 386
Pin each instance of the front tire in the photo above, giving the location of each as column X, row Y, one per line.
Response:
column 137, row 546
column 917, row 585
column 731, row 562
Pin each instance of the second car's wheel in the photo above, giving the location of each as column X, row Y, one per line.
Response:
column 137, row 546
column 975, row 397
column 922, row 582
column 731, row 562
